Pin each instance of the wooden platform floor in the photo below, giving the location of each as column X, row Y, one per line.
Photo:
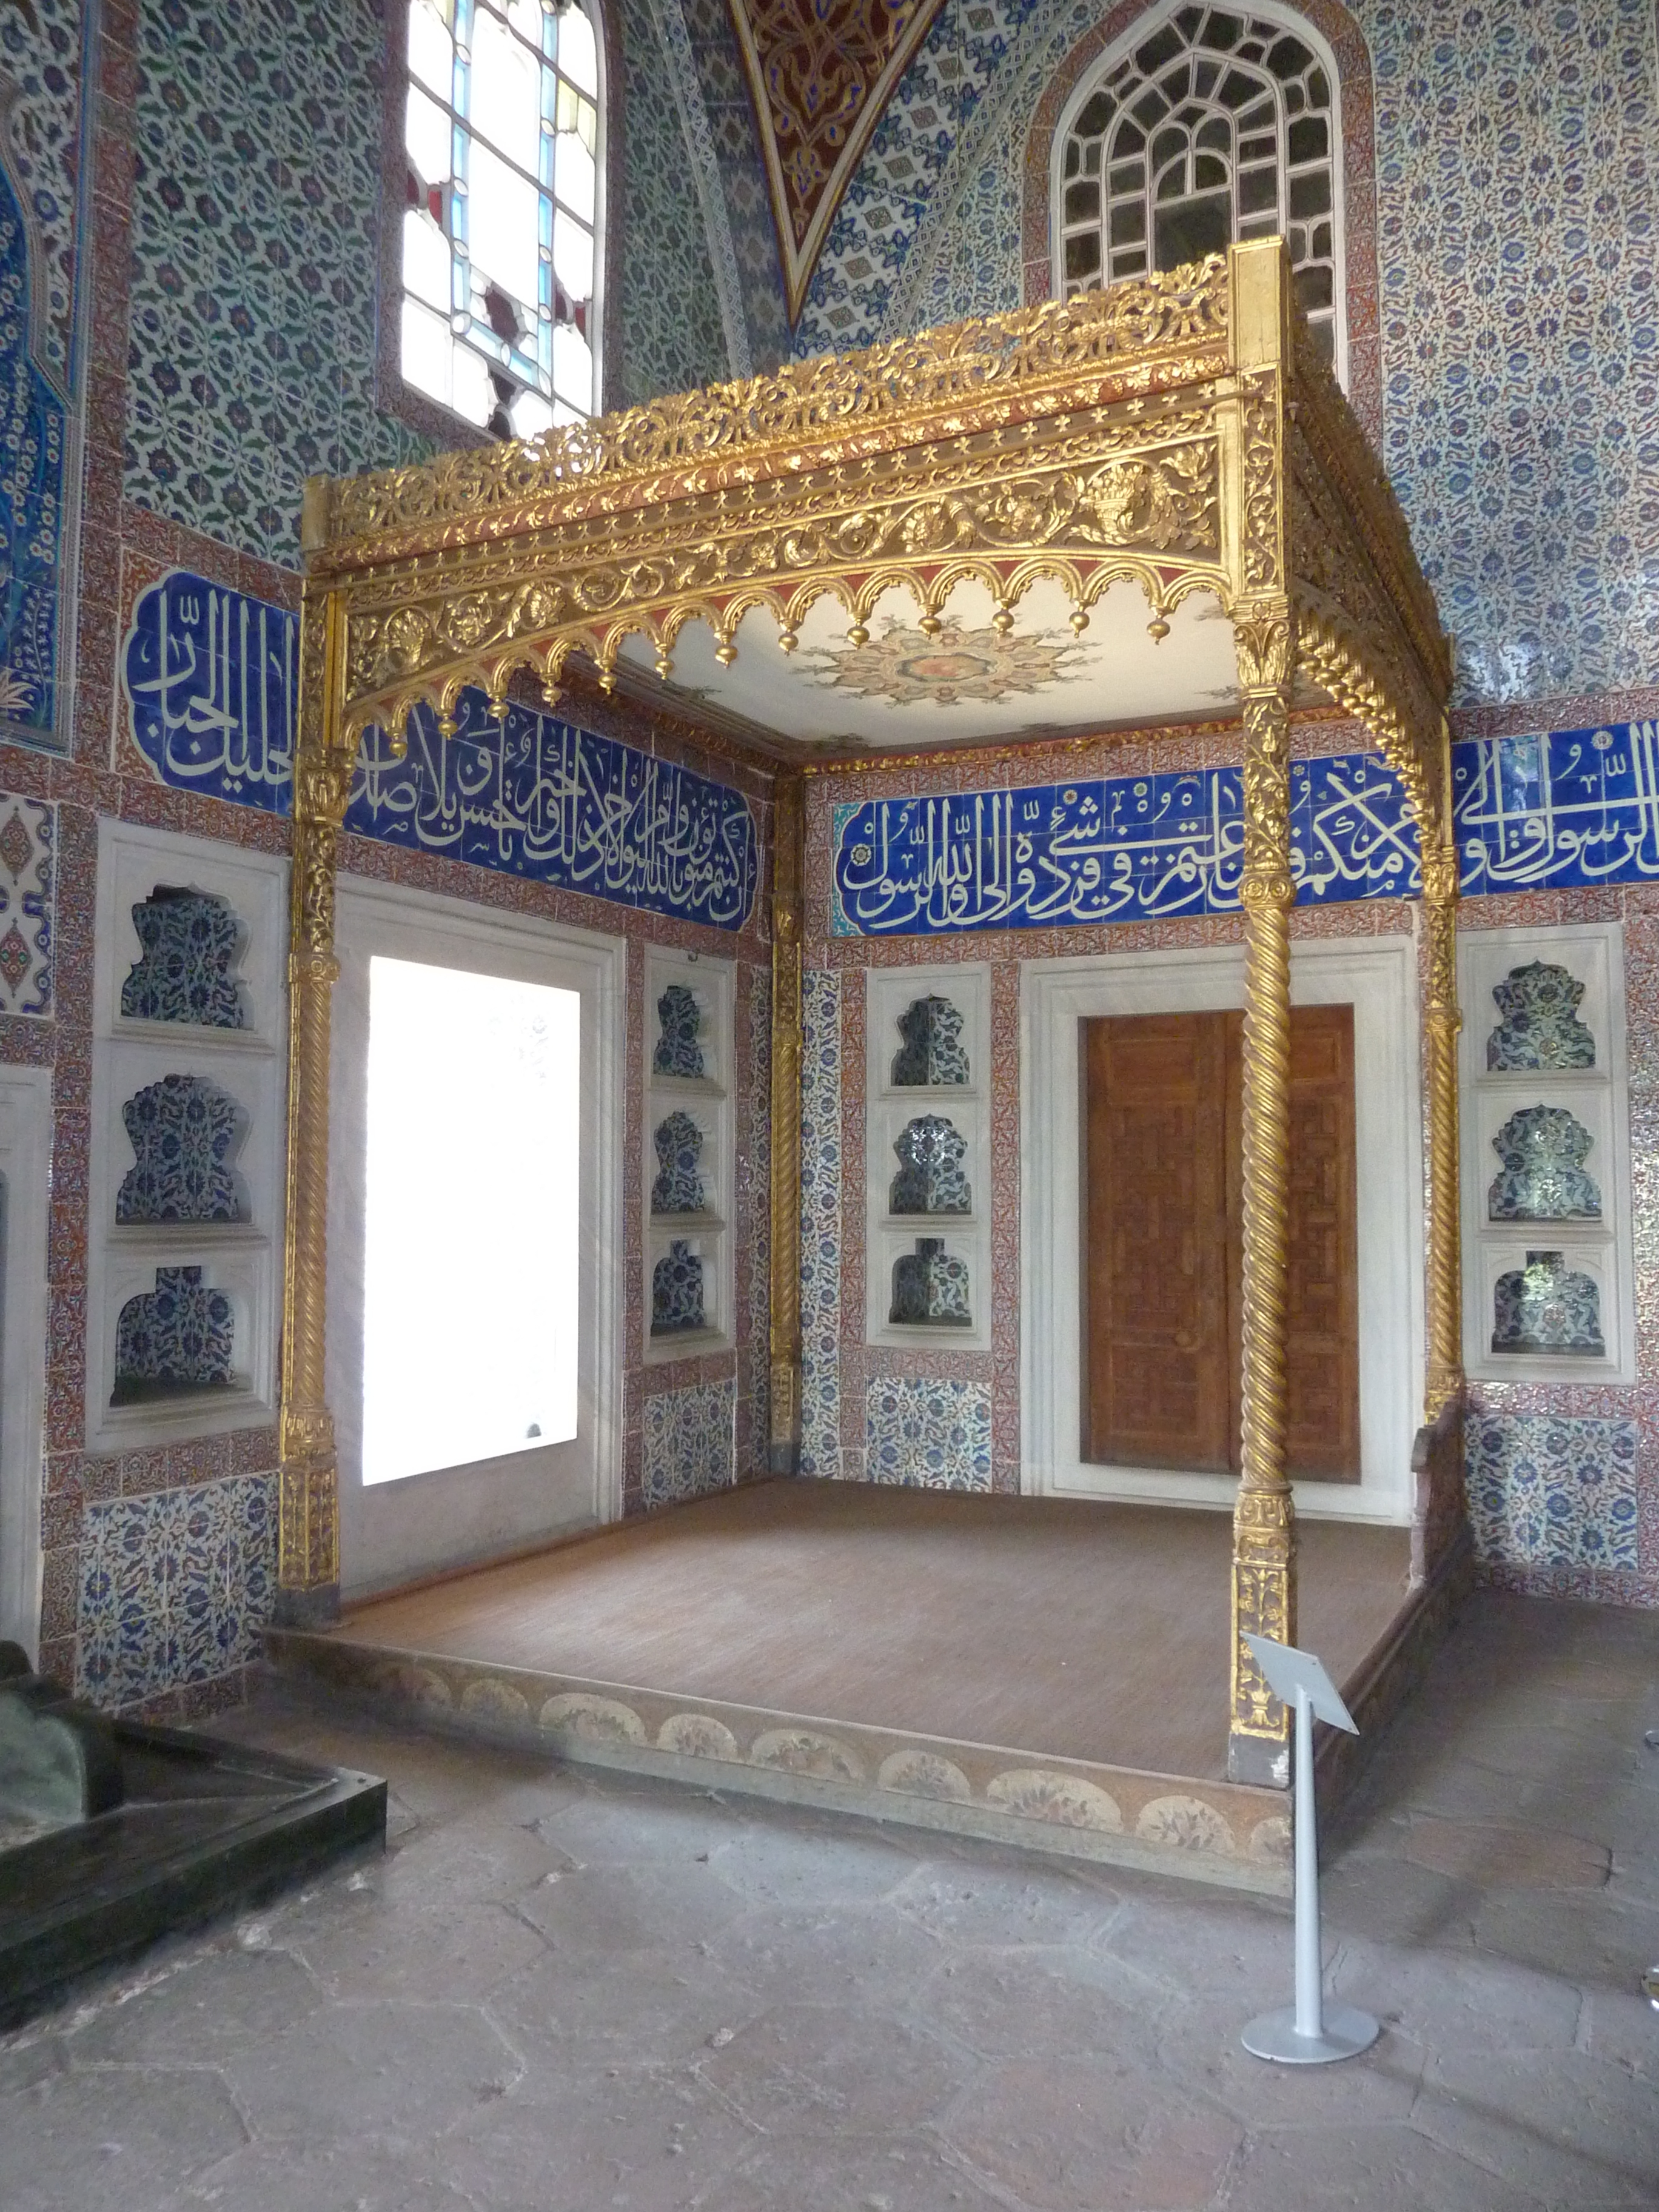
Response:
column 1074, row 1629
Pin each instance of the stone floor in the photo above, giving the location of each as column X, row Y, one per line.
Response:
column 560, row 1992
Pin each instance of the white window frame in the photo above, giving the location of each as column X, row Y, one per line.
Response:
column 26, row 1167
column 1593, row 953
column 887, row 1107
column 1378, row 979
column 713, row 984
column 242, row 1258
column 1136, row 35
column 394, row 1532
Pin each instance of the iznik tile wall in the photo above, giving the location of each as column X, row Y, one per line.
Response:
column 690, row 1443
column 748, row 205
column 175, row 1588
column 911, row 166
column 1547, row 1491
column 927, row 1433
column 820, row 1223
column 1515, row 169
column 672, row 336
column 40, row 72
column 255, row 223
column 28, row 863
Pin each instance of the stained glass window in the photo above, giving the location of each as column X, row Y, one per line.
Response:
column 503, row 215
column 1217, row 125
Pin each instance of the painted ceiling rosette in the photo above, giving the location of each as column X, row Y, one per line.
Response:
column 820, row 72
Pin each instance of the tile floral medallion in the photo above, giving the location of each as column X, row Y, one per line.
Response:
column 1546, row 1492
column 690, row 1441
column 28, row 848
column 928, row 1433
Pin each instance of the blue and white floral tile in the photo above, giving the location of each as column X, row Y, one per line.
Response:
column 252, row 329
column 672, row 336
column 184, row 971
column 28, row 850
column 1552, row 1491
column 821, row 1227
column 181, row 1130
column 927, row 1433
column 690, row 1443
column 175, row 1588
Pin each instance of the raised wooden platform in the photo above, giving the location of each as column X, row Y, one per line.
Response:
column 1043, row 1671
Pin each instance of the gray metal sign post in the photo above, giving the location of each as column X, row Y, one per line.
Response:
column 1306, row 2033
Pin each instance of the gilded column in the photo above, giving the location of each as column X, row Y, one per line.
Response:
column 1264, row 1518
column 788, row 839
column 308, row 1545
column 1442, row 1021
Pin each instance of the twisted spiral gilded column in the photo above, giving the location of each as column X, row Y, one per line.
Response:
column 309, row 1521
column 1442, row 1023
column 1264, row 1520
column 788, row 839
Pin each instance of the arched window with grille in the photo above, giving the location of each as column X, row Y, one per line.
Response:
column 499, row 245
column 1204, row 126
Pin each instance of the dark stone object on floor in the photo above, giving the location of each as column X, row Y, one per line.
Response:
column 113, row 1834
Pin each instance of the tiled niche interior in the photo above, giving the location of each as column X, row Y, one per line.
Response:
column 928, row 1158
column 185, row 1196
column 688, row 1162
column 1547, row 1262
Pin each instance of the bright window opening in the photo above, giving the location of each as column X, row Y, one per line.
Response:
column 501, row 217
column 470, row 1298
column 1219, row 124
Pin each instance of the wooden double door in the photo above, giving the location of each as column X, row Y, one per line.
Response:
column 1162, row 1245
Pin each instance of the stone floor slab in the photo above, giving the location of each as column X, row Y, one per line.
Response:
column 1084, row 2136
column 1569, row 2130
column 396, row 2070
column 830, row 2070
column 117, row 2136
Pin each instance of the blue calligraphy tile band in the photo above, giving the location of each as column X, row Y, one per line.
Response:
column 211, row 678
column 1553, row 812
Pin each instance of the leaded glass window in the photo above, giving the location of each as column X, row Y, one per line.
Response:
column 1217, row 125
column 501, row 243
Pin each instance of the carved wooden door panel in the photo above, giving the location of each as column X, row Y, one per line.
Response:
column 1163, row 1239
column 1155, row 1262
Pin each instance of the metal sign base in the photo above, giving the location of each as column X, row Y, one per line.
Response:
column 1309, row 2032
column 1344, row 2033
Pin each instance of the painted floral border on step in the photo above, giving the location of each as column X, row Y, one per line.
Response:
column 1558, row 812
column 209, row 677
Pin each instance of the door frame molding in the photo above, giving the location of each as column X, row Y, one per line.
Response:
column 416, row 925
column 1378, row 977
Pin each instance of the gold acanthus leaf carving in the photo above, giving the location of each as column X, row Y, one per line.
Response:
column 1259, row 418
column 1167, row 502
column 802, row 402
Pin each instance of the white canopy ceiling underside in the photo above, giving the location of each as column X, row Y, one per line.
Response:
column 904, row 688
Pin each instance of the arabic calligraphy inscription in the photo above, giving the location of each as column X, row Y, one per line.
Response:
column 211, row 677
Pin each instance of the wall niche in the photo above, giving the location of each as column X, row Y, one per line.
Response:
column 1548, row 1257
column 687, row 1165
column 189, row 1137
column 928, row 1155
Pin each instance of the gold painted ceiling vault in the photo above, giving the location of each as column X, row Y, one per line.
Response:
column 820, row 76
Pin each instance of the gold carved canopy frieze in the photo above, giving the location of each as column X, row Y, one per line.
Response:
column 1176, row 432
